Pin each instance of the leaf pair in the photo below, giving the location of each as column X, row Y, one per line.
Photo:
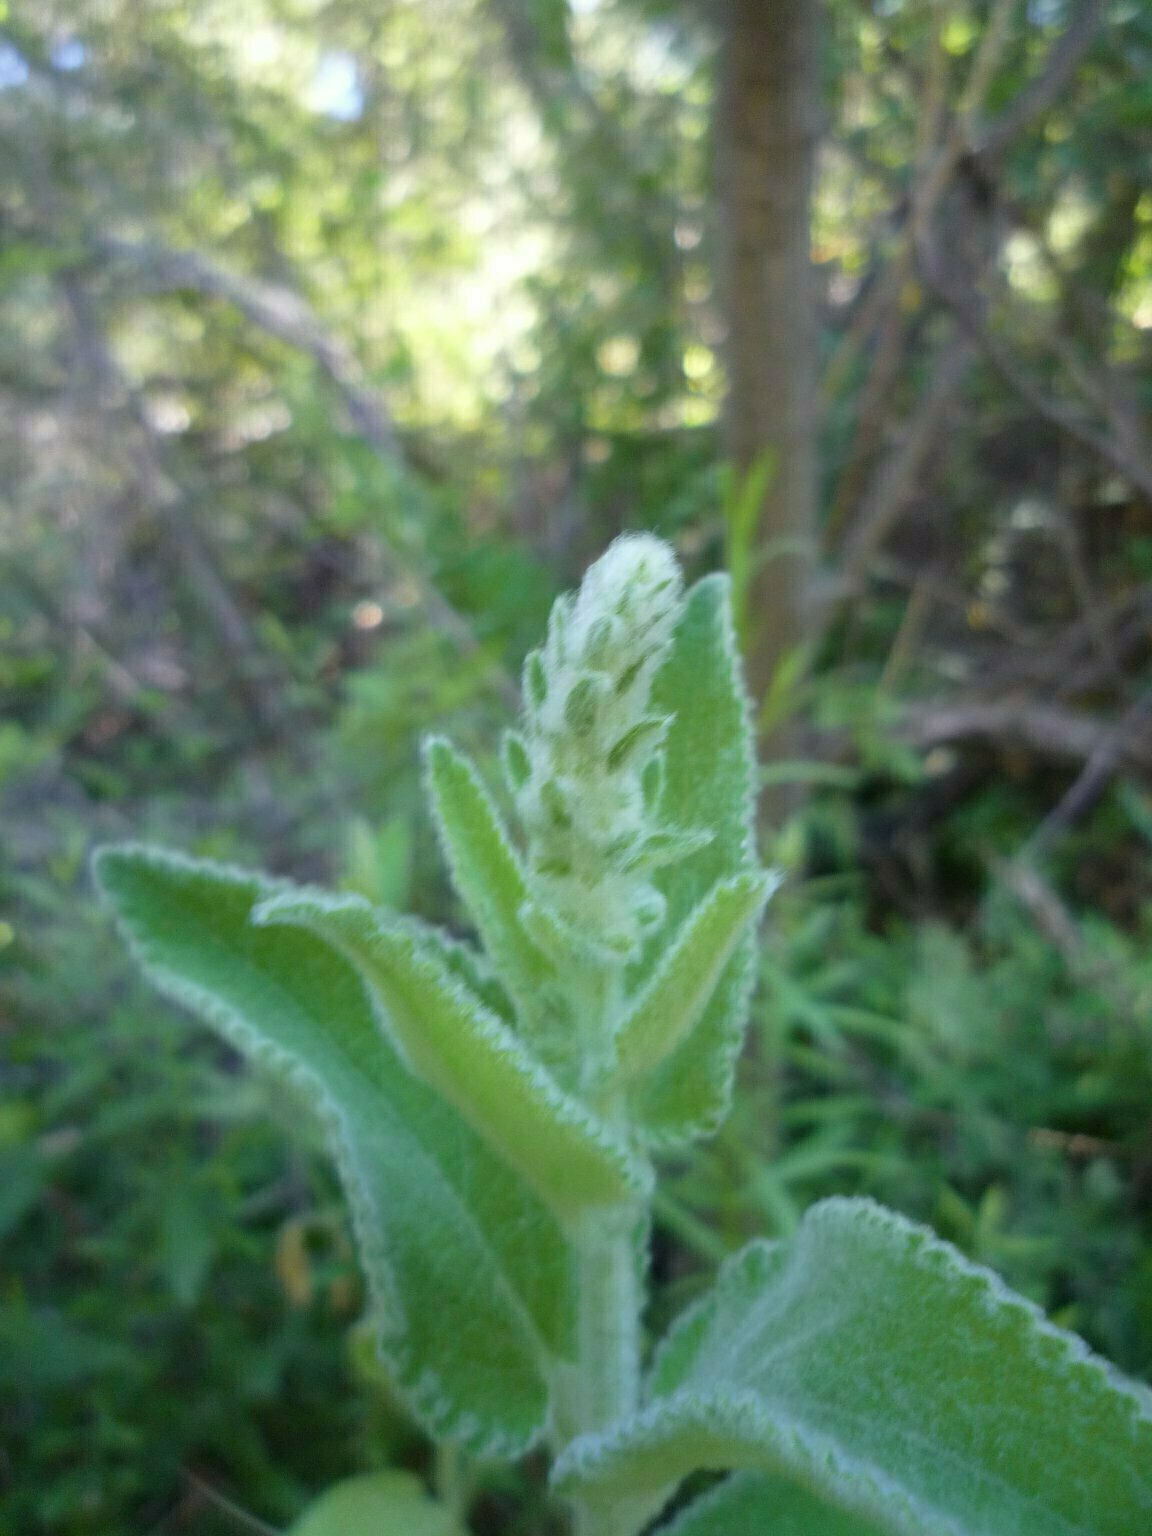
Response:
column 884, row 1384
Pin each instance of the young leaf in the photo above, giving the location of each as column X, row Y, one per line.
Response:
column 490, row 881
column 753, row 1504
column 377, row 1504
column 708, row 783
column 470, row 1056
column 896, row 1380
column 470, row 1272
column 672, row 1003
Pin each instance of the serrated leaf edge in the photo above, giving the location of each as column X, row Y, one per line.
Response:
column 424, row 1392
column 775, row 1443
column 742, row 1414
column 506, row 963
column 634, row 1177
column 768, row 883
column 721, row 1078
column 932, row 1252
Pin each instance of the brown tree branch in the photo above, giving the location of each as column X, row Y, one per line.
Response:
column 1061, row 63
column 161, row 490
column 286, row 316
column 888, row 494
column 270, row 307
column 1046, row 729
column 1119, row 455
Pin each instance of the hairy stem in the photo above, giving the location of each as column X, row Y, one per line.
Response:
column 607, row 1387
column 609, row 1320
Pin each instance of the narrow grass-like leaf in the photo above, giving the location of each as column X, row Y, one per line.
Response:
column 708, row 783
column 470, row 1272
column 490, row 881
column 672, row 1003
column 471, row 1057
column 894, row 1379
column 756, row 1504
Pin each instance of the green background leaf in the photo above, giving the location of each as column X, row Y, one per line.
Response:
column 377, row 1504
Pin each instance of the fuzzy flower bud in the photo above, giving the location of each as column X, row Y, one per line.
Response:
column 578, row 770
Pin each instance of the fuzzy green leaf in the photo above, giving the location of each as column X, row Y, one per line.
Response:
column 755, row 1504
column 470, row 1272
column 675, row 998
column 878, row 1367
column 470, row 1056
column 377, row 1504
column 708, row 780
column 488, row 876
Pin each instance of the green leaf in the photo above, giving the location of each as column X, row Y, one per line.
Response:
column 672, row 1003
column 377, row 1504
column 490, row 881
column 754, row 1504
column 472, row 1058
column 881, row 1369
column 470, row 1272
column 187, row 1240
column 708, row 783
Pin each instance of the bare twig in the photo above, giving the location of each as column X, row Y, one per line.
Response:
column 271, row 307
column 1046, row 729
column 1094, row 778
column 160, row 489
column 888, row 495
column 1117, row 454
column 241, row 1518
column 286, row 316
column 1035, row 99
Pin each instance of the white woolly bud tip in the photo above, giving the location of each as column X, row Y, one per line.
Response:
column 637, row 583
column 589, row 735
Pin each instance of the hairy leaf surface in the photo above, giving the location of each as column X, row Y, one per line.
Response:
column 879, row 1368
column 679, row 992
column 708, row 784
column 488, row 877
column 485, row 868
column 470, row 1271
column 756, row 1504
column 471, row 1057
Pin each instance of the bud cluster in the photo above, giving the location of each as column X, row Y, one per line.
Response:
column 587, row 770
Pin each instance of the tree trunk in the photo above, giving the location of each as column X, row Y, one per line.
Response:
column 768, row 119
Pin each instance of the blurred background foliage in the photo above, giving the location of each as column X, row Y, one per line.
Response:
column 335, row 337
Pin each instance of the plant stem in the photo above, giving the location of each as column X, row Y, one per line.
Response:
column 607, row 1387
column 609, row 1269
column 609, row 1337
column 450, row 1478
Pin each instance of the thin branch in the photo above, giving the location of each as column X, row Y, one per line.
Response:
column 1034, row 100
column 1095, row 776
column 1046, row 729
column 241, row 1518
column 285, row 315
column 271, row 307
column 892, row 485
column 162, row 492
column 1117, row 455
